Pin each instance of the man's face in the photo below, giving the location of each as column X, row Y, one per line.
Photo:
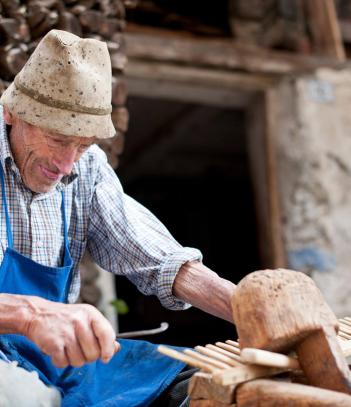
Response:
column 43, row 158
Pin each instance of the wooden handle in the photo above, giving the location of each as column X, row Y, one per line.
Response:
column 323, row 362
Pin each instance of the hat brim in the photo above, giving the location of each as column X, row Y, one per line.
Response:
column 66, row 122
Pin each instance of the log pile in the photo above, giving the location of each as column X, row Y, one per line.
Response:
column 271, row 23
column 24, row 22
column 265, row 23
column 319, row 27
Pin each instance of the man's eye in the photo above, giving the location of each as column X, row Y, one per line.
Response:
column 55, row 141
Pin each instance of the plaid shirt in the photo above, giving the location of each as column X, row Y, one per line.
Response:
column 121, row 235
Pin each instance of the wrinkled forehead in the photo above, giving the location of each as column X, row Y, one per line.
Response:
column 45, row 133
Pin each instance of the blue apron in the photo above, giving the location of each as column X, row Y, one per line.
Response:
column 135, row 376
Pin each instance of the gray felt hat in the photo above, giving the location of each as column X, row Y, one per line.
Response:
column 65, row 87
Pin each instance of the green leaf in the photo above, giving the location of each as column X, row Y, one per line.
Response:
column 120, row 306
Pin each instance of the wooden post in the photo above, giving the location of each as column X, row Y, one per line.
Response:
column 325, row 29
column 261, row 121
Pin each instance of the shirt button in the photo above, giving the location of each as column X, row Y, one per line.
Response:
column 39, row 243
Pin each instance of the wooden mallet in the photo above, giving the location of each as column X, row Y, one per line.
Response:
column 283, row 310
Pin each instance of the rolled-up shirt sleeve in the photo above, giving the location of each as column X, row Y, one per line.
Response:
column 127, row 239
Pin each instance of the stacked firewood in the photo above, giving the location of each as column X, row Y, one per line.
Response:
column 319, row 27
column 265, row 23
column 302, row 26
column 24, row 22
column 271, row 23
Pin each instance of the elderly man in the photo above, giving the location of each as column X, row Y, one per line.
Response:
column 59, row 198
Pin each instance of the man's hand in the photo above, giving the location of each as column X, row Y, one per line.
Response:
column 72, row 334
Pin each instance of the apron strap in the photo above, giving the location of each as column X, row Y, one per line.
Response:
column 67, row 257
column 8, row 225
column 63, row 211
column 4, row 200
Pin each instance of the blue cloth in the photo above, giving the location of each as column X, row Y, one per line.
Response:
column 135, row 376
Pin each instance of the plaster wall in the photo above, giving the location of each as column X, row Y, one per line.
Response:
column 314, row 170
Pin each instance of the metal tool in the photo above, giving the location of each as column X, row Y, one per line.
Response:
column 133, row 334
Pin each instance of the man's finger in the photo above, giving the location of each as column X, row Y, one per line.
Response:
column 117, row 346
column 106, row 337
column 89, row 343
column 60, row 359
column 75, row 354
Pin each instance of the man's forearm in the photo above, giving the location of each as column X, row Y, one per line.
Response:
column 204, row 289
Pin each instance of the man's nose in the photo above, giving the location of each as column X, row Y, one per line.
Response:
column 65, row 159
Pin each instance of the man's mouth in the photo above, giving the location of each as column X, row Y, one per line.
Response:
column 53, row 176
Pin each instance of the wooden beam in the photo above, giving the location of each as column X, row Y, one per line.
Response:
column 271, row 114
column 199, row 76
column 220, row 54
column 198, row 85
column 261, row 131
column 325, row 29
column 204, row 95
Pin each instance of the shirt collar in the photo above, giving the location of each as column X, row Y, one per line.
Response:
column 7, row 159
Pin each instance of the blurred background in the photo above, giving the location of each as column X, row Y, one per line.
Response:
column 233, row 128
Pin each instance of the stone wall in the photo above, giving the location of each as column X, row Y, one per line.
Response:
column 314, row 170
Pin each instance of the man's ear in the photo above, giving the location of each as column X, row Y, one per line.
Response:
column 8, row 116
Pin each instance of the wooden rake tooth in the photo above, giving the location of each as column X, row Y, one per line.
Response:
column 342, row 340
column 206, row 367
column 344, row 331
column 230, row 348
column 233, row 360
column 206, row 359
column 344, row 336
column 345, row 321
column 345, row 328
column 267, row 358
column 229, row 358
column 233, row 343
column 214, row 354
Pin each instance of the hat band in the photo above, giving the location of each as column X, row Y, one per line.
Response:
column 60, row 104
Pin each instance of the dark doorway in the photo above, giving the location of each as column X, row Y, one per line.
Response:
column 188, row 164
